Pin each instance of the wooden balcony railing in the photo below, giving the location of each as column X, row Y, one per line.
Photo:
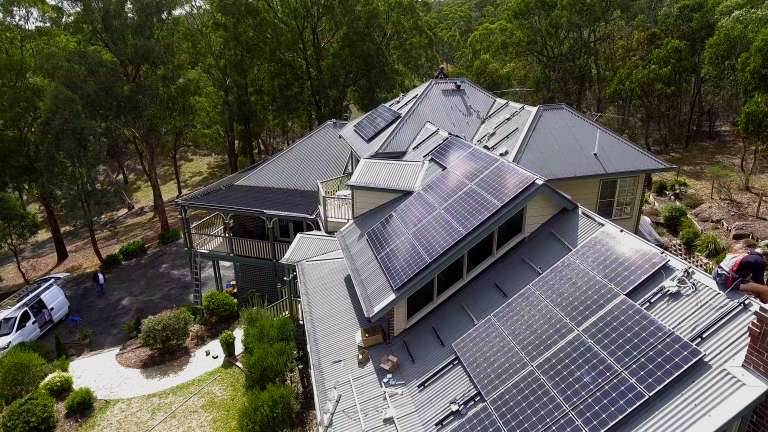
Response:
column 239, row 246
column 335, row 199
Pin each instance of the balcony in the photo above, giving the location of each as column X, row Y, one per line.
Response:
column 335, row 202
column 208, row 235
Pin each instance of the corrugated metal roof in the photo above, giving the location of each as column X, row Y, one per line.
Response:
column 504, row 128
column 287, row 202
column 560, row 143
column 319, row 155
column 309, row 245
column 387, row 174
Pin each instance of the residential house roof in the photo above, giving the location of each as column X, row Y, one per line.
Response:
column 252, row 199
column 308, row 245
column 389, row 174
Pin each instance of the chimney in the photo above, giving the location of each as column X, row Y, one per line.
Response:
column 757, row 360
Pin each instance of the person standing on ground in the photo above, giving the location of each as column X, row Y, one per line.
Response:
column 744, row 269
column 98, row 280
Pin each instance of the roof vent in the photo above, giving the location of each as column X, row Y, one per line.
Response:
column 502, row 151
column 457, row 85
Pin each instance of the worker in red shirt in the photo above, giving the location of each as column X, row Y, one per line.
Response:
column 744, row 269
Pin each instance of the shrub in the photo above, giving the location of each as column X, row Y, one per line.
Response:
column 219, row 306
column 261, row 327
column 166, row 330
column 111, row 261
column 274, row 409
column 718, row 259
column 678, row 183
column 60, row 364
column 33, row 413
column 79, row 401
column 710, row 246
column 133, row 327
column 132, row 250
column 267, row 364
column 197, row 333
column 61, row 349
column 688, row 237
column 750, row 243
column 57, row 383
column 36, row 347
column 227, row 340
column 660, row 186
column 84, row 334
column 692, row 200
column 21, row 371
column 673, row 215
column 170, row 236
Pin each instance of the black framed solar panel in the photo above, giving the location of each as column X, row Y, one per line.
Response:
column 384, row 234
column 444, row 187
column 566, row 423
column 625, row 331
column 526, row 404
column 415, row 210
column 504, row 181
column 450, row 151
column 489, row 357
column 472, row 164
column 479, row 419
column 620, row 259
column 532, row 324
column 436, row 234
column 375, row 121
column 470, row 208
column 608, row 404
column 402, row 260
column 664, row 362
column 574, row 291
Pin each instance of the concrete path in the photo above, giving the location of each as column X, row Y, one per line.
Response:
column 109, row 380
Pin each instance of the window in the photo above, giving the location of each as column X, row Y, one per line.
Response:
column 510, row 229
column 283, row 229
column 24, row 319
column 450, row 275
column 480, row 252
column 617, row 197
column 420, row 299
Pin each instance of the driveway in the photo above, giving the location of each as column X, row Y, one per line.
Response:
column 147, row 285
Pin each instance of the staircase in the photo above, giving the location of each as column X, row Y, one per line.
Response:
column 197, row 294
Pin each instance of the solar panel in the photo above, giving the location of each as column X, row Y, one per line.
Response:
column 375, row 121
column 470, row 208
column 664, row 362
column 625, row 331
column 480, row 419
column 526, row 404
column 436, row 234
column 443, row 188
column 489, row 357
column 451, row 150
column 401, row 261
column 473, row 164
column 384, row 234
column 532, row 324
column 608, row 404
column 414, row 210
column 565, row 423
column 575, row 368
column 620, row 259
column 503, row 182
column 574, row 291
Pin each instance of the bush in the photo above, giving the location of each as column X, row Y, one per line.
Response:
column 111, row 261
column 710, row 246
column 79, row 401
column 678, row 183
column 170, row 236
column 227, row 340
column 268, row 364
column 132, row 250
column 688, row 237
column 692, row 200
column 659, row 187
column 673, row 215
column 166, row 330
column 33, row 413
column 261, row 327
column 57, row 383
column 274, row 409
column 21, row 371
column 61, row 364
column 36, row 347
column 133, row 327
column 61, row 349
column 219, row 306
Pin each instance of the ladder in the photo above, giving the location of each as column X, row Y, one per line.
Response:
column 197, row 295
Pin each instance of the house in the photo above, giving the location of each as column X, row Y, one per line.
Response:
column 476, row 296
column 342, row 170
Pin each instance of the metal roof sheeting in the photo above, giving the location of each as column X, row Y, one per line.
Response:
column 387, row 174
column 560, row 143
column 308, row 245
column 319, row 155
column 287, row 202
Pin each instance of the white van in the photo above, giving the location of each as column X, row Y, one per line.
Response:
column 29, row 312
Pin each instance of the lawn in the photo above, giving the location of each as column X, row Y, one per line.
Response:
column 213, row 408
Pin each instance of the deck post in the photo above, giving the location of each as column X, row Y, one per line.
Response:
column 228, row 232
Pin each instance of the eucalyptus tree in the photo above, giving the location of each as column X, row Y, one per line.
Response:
column 17, row 226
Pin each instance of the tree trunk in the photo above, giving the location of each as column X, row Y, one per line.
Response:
column 53, row 227
column 229, row 135
column 154, row 182
column 86, row 207
column 696, row 92
column 15, row 251
column 176, row 168
column 123, row 172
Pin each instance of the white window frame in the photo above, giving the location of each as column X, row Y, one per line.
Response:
column 630, row 208
column 290, row 229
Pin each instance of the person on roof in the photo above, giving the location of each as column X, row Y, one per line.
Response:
column 745, row 270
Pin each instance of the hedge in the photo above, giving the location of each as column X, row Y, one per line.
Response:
column 166, row 330
column 33, row 413
column 219, row 306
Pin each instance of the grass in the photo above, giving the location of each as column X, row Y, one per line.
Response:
column 214, row 408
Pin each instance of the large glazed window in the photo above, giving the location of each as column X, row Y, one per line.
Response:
column 480, row 252
column 617, row 197
column 421, row 298
column 510, row 229
column 452, row 274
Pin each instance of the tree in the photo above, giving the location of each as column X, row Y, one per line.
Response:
column 753, row 122
column 17, row 226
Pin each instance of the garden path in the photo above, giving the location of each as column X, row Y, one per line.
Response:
column 110, row 380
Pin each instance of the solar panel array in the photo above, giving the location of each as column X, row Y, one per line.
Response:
column 473, row 187
column 375, row 121
column 590, row 355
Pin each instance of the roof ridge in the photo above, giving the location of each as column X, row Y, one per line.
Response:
column 526, row 138
column 419, row 98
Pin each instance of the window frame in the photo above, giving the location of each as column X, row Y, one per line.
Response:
column 616, row 195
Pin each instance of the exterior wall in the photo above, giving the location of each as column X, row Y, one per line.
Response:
column 539, row 210
column 259, row 277
column 399, row 317
column 367, row 199
column 757, row 360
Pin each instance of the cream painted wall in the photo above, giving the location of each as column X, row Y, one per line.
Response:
column 400, row 317
column 586, row 192
column 367, row 199
column 539, row 210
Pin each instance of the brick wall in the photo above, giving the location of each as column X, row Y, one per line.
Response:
column 757, row 360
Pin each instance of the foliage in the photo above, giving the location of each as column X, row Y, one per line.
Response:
column 660, row 186
column 197, row 333
column 80, row 401
column 60, row 364
column 61, row 349
column 219, row 306
column 261, row 326
column 688, row 237
column 195, row 310
column 692, row 200
column 166, row 330
column 722, row 181
column 33, row 413
column 133, row 327
column 273, row 409
column 710, row 245
column 17, row 226
column 227, row 340
column 269, row 348
column 673, row 215
column 132, row 249
column 111, row 261
column 57, row 383
column 21, row 371
column 84, row 334
column 36, row 347
column 170, row 236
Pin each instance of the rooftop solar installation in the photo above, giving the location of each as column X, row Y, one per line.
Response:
column 663, row 362
column 565, row 423
column 375, row 121
column 475, row 185
column 609, row 404
column 526, row 404
column 480, row 419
